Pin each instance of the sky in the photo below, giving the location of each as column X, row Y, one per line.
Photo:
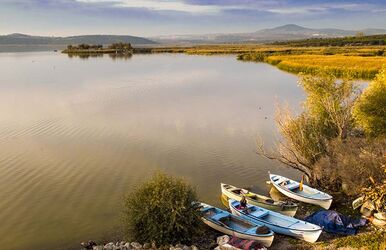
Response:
column 166, row 17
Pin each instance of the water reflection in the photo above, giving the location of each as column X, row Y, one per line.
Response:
column 113, row 56
column 75, row 137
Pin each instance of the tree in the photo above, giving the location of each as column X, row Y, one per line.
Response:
column 162, row 210
column 326, row 115
column 370, row 109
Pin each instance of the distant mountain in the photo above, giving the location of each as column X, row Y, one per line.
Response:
column 281, row 33
column 22, row 39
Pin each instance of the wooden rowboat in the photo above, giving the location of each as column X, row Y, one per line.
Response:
column 232, row 192
column 290, row 188
column 277, row 222
column 234, row 225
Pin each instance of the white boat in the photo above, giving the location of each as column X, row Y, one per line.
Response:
column 232, row 192
column 277, row 222
column 308, row 194
column 234, row 225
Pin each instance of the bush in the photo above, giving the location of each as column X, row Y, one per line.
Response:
column 370, row 109
column 161, row 211
column 352, row 162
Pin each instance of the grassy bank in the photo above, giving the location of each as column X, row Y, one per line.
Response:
column 362, row 62
column 339, row 65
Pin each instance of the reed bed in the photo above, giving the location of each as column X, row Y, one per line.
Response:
column 339, row 65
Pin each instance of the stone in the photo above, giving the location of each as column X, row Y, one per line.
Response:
column 127, row 245
column 109, row 246
column 146, row 246
column 136, row 245
column 98, row 248
column 194, row 247
column 186, row 248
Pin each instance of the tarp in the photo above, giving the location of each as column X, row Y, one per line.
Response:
column 334, row 222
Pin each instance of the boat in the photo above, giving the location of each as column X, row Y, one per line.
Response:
column 234, row 225
column 277, row 222
column 307, row 194
column 284, row 207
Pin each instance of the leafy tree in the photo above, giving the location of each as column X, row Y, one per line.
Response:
column 370, row 110
column 161, row 210
column 326, row 115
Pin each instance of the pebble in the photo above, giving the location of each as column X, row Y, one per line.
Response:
column 124, row 245
column 136, row 245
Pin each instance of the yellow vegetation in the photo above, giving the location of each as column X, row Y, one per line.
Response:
column 357, row 66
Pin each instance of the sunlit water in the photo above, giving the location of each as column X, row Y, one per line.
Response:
column 77, row 134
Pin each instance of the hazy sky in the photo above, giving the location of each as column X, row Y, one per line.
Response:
column 157, row 17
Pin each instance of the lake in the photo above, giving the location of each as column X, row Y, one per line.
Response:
column 76, row 134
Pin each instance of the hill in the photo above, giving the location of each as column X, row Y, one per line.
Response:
column 22, row 39
column 280, row 33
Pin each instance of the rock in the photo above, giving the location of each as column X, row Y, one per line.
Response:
column 136, row 245
column 122, row 243
column 97, row 248
column 146, row 246
column 179, row 246
column 186, row 248
column 109, row 246
column 194, row 247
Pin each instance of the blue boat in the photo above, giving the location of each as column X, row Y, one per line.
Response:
column 277, row 222
column 234, row 225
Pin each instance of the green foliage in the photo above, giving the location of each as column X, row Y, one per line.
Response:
column 370, row 241
column 370, row 110
column 326, row 115
column 361, row 40
column 161, row 211
column 329, row 101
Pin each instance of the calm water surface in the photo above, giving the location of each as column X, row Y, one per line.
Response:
column 77, row 134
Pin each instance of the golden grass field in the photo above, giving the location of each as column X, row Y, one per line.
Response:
column 356, row 66
column 362, row 62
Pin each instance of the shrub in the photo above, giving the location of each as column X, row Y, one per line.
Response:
column 370, row 109
column 352, row 162
column 161, row 211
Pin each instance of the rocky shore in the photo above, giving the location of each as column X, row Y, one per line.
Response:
column 124, row 245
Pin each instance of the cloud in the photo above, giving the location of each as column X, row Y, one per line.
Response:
column 159, row 5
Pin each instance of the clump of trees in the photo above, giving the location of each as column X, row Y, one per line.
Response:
column 329, row 144
column 84, row 46
column 121, row 46
column 162, row 210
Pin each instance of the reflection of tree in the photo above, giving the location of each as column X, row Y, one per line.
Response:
column 120, row 56
column 84, row 55
column 113, row 56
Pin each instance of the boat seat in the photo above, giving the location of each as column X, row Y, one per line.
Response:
column 260, row 214
column 252, row 230
column 219, row 216
column 292, row 186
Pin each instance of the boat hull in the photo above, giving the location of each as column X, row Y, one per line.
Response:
column 309, row 236
column 265, row 240
column 324, row 203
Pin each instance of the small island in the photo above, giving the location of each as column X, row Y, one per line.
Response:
column 115, row 48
